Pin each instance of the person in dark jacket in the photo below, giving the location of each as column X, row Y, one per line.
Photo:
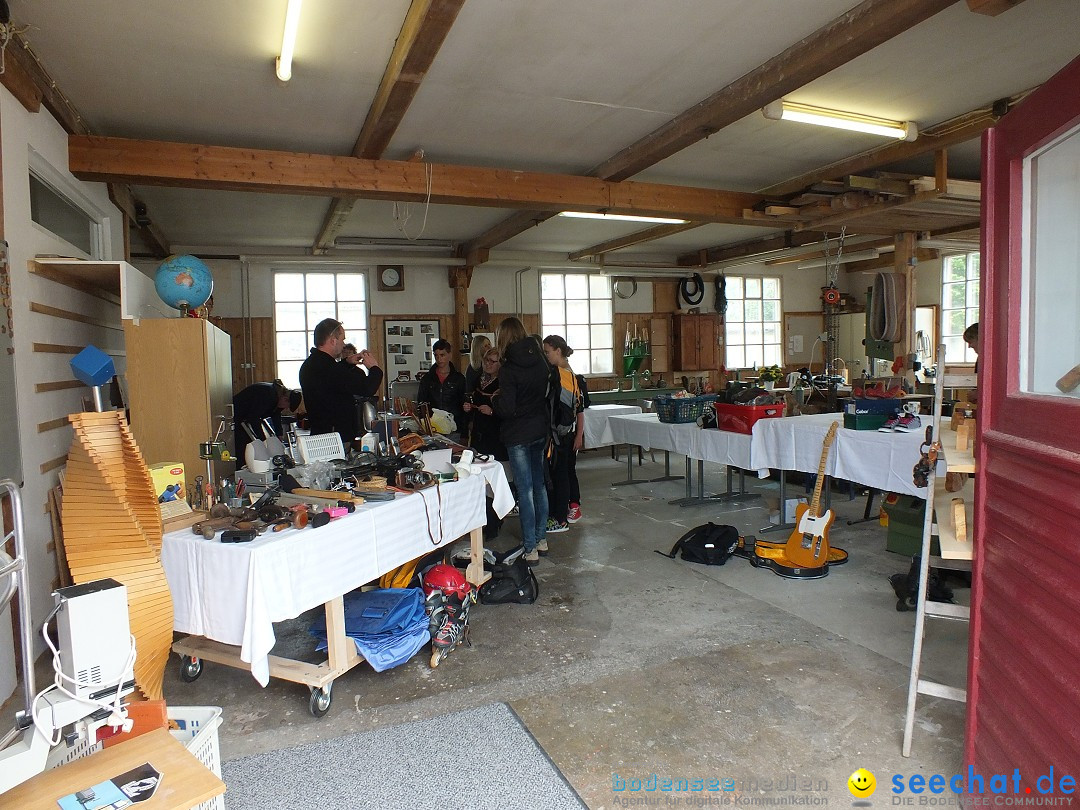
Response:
column 330, row 386
column 521, row 405
column 261, row 400
column 443, row 386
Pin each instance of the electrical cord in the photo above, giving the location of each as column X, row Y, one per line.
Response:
column 695, row 298
column 114, row 707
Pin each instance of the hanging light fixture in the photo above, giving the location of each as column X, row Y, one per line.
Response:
column 793, row 111
column 283, row 65
column 622, row 217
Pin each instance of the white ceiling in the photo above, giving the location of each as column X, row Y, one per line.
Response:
column 546, row 85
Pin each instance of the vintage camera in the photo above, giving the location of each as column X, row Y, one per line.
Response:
column 415, row 479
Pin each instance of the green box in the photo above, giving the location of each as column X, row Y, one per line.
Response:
column 906, row 515
column 865, row 421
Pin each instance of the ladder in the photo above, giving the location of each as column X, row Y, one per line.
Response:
column 949, row 518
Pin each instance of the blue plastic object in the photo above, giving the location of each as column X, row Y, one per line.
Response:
column 93, row 367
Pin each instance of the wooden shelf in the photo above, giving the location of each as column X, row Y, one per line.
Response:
column 961, row 461
column 100, row 279
column 952, row 547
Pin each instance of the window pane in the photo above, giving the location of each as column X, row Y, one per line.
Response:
column 350, row 287
column 577, row 311
column 551, row 285
column 582, row 344
column 353, row 316
column 600, row 337
column 736, row 357
column 955, row 322
column 734, row 310
column 755, row 356
column 973, row 293
column 771, row 333
column 954, row 349
column 577, row 286
column 954, row 295
column 770, row 288
column 734, row 288
column 292, row 345
column 288, row 287
column 290, row 316
column 552, row 312
column 602, row 362
column 753, row 288
column 599, row 287
column 319, row 310
column 753, row 311
column 577, row 336
column 359, row 338
column 601, row 310
column 320, row 287
column 772, row 355
column 955, row 268
column 289, row 372
column 973, row 265
column 753, row 333
column 734, row 334
column 553, row 329
column 54, row 212
column 770, row 311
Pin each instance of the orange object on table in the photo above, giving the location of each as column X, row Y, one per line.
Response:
column 147, row 715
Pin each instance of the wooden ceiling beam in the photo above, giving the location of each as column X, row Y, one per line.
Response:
column 753, row 247
column 182, row 165
column 852, row 34
column 631, row 239
column 426, row 26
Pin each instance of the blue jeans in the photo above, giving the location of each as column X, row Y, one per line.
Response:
column 527, row 461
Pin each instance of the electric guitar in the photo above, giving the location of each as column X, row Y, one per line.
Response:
column 808, row 545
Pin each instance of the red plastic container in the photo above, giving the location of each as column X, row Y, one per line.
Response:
column 741, row 418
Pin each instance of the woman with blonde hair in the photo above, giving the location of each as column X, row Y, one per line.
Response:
column 479, row 347
column 521, row 405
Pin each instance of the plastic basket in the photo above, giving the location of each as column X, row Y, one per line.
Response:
column 198, row 731
column 681, row 410
column 322, row 447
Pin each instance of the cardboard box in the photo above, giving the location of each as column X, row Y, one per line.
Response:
column 168, row 481
column 773, row 504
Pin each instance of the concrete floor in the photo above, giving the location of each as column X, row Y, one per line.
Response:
column 632, row 664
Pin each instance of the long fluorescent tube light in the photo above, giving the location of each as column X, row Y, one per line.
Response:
column 858, row 256
column 288, row 41
column 792, row 111
column 361, row 242
column 622, row 217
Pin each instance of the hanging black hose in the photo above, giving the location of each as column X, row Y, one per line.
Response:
column 720, row 297
column 696, row 297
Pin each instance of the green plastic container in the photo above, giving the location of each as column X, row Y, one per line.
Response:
column 906, row 514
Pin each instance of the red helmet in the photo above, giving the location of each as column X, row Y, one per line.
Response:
column 447, row 579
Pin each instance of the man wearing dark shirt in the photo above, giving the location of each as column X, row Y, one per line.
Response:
column 330, row 386
column 444, row 386
column 261, row 400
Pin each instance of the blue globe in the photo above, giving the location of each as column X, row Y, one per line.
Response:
column 183, row 281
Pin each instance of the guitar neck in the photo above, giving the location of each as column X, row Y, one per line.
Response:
column 815, row 504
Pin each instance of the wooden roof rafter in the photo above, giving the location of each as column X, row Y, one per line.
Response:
column 846, row 37
column 426, row 26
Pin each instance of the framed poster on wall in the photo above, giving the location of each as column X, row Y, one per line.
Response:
column 408, row 348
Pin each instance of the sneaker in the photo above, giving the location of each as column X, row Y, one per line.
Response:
column 908, row 422
column 574, row 514
column 554, row 526
column 890, row 424
column 532, row 557
column 542, row 547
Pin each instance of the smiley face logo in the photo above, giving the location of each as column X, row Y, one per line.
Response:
column 862, row 784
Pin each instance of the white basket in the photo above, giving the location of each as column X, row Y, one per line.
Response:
column 198, row 732
column 323, row 447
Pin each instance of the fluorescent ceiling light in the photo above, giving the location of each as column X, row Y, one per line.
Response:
column 622, row 217
column 858, row 256
column 791, row 111
column 362, row 242
column 288, row 41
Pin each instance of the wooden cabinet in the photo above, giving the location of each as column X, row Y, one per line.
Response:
column 179, row 381
column 695, row 342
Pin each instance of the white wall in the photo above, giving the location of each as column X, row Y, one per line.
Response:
column 22, row 132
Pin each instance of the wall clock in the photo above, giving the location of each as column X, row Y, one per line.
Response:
column 391, row 277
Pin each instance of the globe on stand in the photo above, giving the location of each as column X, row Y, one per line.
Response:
column 184, row 283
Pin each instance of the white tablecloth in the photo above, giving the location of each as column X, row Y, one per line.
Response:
column 597, row 430
column 648, row 432
column 723, row 447
column 883, row 461
column 233, row 593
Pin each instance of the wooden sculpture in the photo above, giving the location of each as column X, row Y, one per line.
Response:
column 112, row 528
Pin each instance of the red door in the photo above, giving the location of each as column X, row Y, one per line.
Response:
column 1024, row 672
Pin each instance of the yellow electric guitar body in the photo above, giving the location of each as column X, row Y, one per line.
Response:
column 808, row 545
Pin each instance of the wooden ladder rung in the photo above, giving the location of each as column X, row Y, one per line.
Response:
column 942, row 691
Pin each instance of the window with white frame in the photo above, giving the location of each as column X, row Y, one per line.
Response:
column 301, row 300
column 578, row 307
column 54, row 212
column 752, row 322
column 959, row 304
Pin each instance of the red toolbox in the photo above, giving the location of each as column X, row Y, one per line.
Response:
column 741, row 418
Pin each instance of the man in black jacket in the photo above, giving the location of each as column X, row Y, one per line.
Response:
column 443, row 386
column 330, row 386
column 261, row 400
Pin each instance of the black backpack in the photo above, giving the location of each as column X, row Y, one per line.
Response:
column 510, row 582
column 707, row 544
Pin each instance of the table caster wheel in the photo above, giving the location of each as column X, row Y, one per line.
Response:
column 319, row 704
column 190, row 668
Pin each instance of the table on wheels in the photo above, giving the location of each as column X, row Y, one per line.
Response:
column 229, row 595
